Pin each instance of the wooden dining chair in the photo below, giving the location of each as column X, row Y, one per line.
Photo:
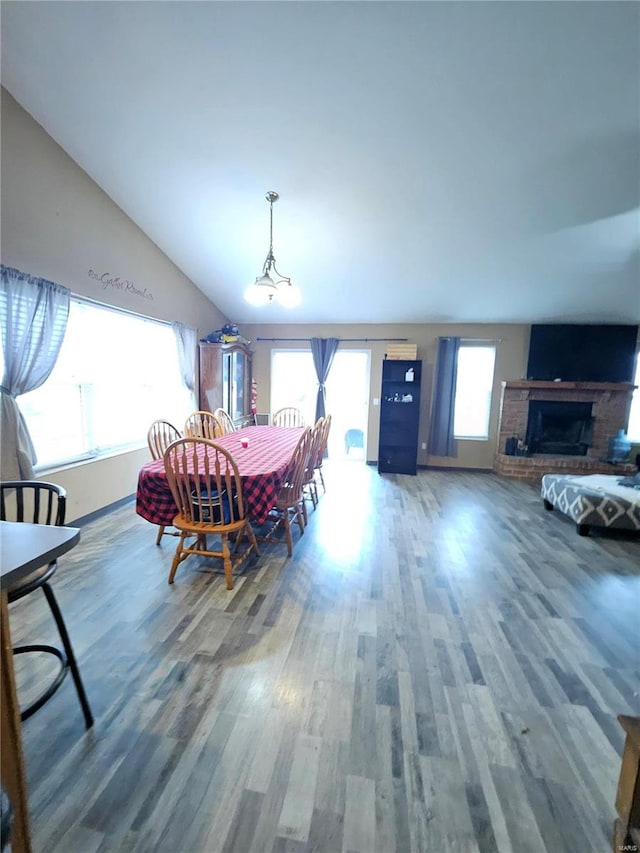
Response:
column 289, row 504
column 202, row 425
column 224, row 419
column 207, row 490
column 161, row 434
column 42, row 503
column 309, row 487
column 323, row 450
column 288, row 416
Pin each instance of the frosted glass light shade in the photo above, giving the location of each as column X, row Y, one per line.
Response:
column 265, row 290
column 288, row 294
column 262, row 291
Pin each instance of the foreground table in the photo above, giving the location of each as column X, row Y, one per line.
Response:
column 261, row 465
column 23, row 548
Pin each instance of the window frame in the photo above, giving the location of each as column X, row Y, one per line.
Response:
column 92, row 449
column 307, row 411
column 478, row 344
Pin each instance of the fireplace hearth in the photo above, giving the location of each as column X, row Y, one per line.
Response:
column 559, row 427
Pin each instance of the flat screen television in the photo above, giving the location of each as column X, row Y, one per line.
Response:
column 582, row 352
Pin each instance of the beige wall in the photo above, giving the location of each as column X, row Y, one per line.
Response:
column 511, row 360
column 58, row 224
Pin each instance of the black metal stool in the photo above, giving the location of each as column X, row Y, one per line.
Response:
column 43, row 503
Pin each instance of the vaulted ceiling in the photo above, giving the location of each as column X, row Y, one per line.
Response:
column 436, row 161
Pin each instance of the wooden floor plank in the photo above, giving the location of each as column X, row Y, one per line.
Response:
column 437, row 668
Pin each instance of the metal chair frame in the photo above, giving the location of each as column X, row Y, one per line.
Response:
column 47, row 502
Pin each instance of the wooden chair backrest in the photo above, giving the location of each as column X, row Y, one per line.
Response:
column 325, row 440
column 317, row 438
column 288, row 416
column 161, row 434
column 202, row 425
column 205, row 483
column 224, row 419
column 32, row 500
column 291, row 491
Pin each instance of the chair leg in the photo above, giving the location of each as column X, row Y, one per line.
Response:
column 160, row 533
column 287, row 533
column 176, row 558
column 311, row 493
column 71, row 658
column 324, row 488
column 226, row 558
column 236, row 538
column 252, row 538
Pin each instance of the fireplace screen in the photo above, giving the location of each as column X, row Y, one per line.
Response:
column 559, row 427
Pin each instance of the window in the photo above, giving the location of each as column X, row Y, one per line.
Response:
column 633, row 431
column 294, row 381
column 474, row 383
column 116, row 373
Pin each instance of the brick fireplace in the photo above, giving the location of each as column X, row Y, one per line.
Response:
column 609, row 410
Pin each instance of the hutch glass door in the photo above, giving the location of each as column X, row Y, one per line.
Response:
column 238, row 383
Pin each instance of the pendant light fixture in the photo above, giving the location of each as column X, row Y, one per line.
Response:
column 272, row 286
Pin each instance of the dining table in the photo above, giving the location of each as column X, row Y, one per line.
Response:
column 262, row 454
column 24, row 547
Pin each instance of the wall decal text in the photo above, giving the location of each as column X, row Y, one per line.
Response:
column 106, row 280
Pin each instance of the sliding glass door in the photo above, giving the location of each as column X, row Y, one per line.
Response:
column 294, row 383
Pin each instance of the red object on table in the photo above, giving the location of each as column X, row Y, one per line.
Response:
column 261, row 465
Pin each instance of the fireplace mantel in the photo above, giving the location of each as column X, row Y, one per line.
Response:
column 543, row 385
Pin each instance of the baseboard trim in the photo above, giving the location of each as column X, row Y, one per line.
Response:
column 456, row 468
column 443, row 468
column 99, row 513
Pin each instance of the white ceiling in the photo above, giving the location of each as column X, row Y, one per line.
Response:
column 436, row 161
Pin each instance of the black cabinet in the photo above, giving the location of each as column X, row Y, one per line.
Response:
column 399, row 416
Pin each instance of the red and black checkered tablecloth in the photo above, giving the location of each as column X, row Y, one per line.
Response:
column 261, row 465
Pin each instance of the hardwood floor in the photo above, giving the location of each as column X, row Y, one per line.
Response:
column 437, row 668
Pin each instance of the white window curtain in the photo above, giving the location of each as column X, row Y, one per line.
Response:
column 187, row 342
column 33, row 320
